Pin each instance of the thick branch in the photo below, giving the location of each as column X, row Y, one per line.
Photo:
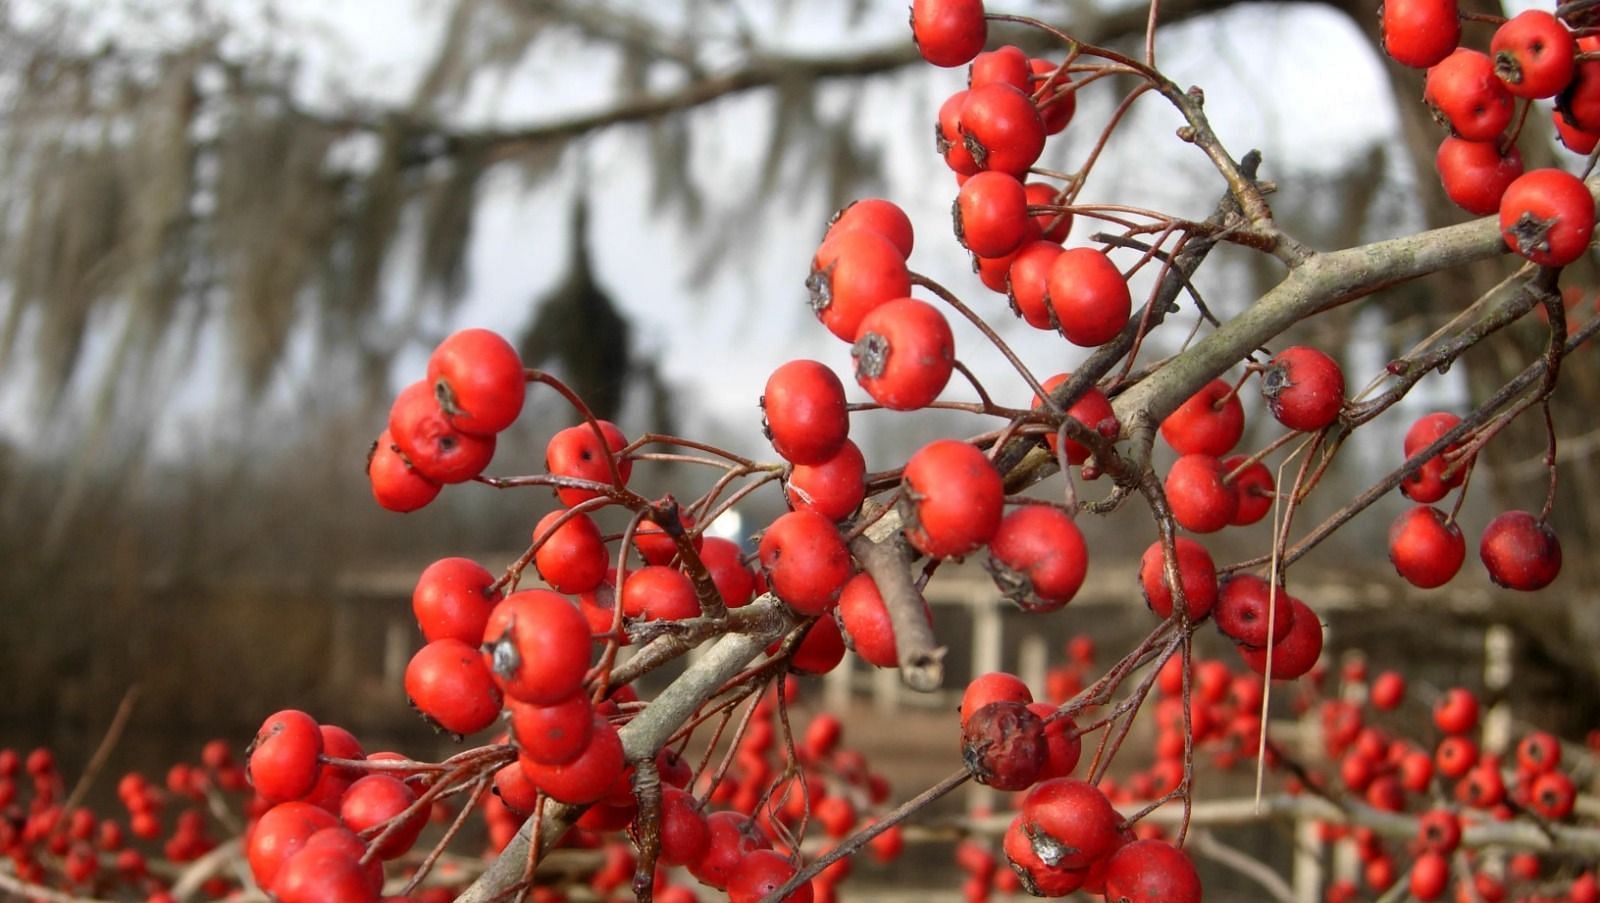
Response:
column 921, row 658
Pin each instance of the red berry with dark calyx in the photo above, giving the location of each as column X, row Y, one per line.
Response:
column 1037, row 876
column 1070, row 823
column 952, row 499
column 537, row 646
column 1456, row 712
column 1546, row 215
column 396, row 485
column 1534, row 54
column 1088, row 297
column 478, row 380
column 949, row 32
column 1426, row 548
column 1465, row 95
column 904, row 353
column 1200, row 499
column 1152, row 871
column 947, row 137
column 450, row 684
column 434, row 447
column 806, row 561
column 852, row 273
column 577, row 452
column 1538, row 753
column 805, row 412
column 1197, row 574
column 1003, row 745
column 1304, row 388
column 991, row 215
column 1520, row 551
column 1002, row 129
column 1037, row 558
column 1027, row 281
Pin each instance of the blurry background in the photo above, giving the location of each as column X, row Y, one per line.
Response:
column 231, row 230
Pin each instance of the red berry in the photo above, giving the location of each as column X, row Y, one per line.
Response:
column 1430, row 874
column 1053, row 226
column 1456, row 712
column 1296, row 653
column 1196, row 571
column 724, row 559
column 1088, row 297
column 1037, row 558
column 1210, row 422
column 1425, row 547
column 572, row 557
column 283, row 757
column 1429, row 484
column 1520, row 551
column 378, row 799
column 477, row 378
column 684, row 833
column 948, row 32
column 659, row 593
column 1002, row 129
column 554, row 734
column 1304, row 388
column 537, row 646
column 760, row 873
column 1071, row 824
column 1538, row 753
column 1027, row 281
column 1026, row 856
column 1455, row 756
column 991, row 214
column 1533, row 54
column 1420, row 33
column 865, row 622
column 904, row 353
column 834, row 488
column 437, row 449
column 396, row 485
column 1092, row 409
column 279, row 833
column 806, row 561
column 1152, row 871
column 1062, row 744
column 1253, row 486
column 1007, row 65
column 1546, row 215
column 1553, row 795
column 449, row 682
column 805, row 412
column 577, row 452
column 947, row 137
column 1388, row 691
column 986, row 689
column 874, row 215
column 1464, row 94
column 731, row 836
column 590, row 776
column 852, row 273
column 1058, row 100
column 1476, row 174
column 952, row 498
column 1199, row 498
column 452, row 599
column 1003, row 745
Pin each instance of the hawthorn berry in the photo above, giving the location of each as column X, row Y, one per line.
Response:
column 577, row 452
column 1455, row 756
column 852, row 273
column 536, row 644
column 1465, row 95
column 1552, row 795
column 1304, row 388
column 1151, row 871
column 1456, row 712
column 477, row 379
column 1001, row 129
column 1546, row 215
column 396, row 485
column 904, row 353
column 730, row 836
column 1027, row 278
column 834, row 488
column 451, row 685
column 1037, row 558
column 588, row 778
column 1003, row 745
column 1037, row 875
column 947, row 137
column 952, row 499
column 553, row 734
column 1388, row 690
column 1295, row 654
column 1430, row 875
column 760, row 873
column 864, row 621
column 1069, row 823
column 1253, row 486
column 1475, row 174
column 1420, row 33
column 1538, row 753
column 572, row 557
column 1201, row 501
column 1057, row 99
column 425, row 436
column 1430, row 483
column 875, row 215
column 991, row 215
column 376, row 800
column 1534, row 54
column 1092, row 409
column 656, row 592
column 986, row 689
column 805, row 413
column 1520, row 551
column 948, row 33
column 1426, row 547
column 282, row 761
column 1088, row 297
column 1196, row 572
column 279, row 833
column 725, row 562
column 684, row 833
column 821, row 650
column 806, row 561
column 1054, row 227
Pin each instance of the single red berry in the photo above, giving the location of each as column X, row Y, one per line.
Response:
column 947, row 137
column 452, row 599
column 282, row 761
column 760, row 873
column 804, row 412
column 536, row 644
column 377, row 800
column 1456, row 712
column 1196, row 572
column 1200, row 499
column 1534, row 54
column 1455, row 756
column 478, row 381
column 952, row 499
column 1426, row 548
column 1210, row 422
column 515, row 789
column 821, row 650
column 332, row 780
column 684, row 833
column 280, row 833
column 1006, row 65
column 1574, row 139
column 577, row 452
column 864, row 620
column 991, row 215
column 1253, row 486
column 1475, row 174
column 1062, row 744
column 1152, row 871
column 1088, row 297
column 1546, row 216
column 1388, row 691
column 1027, row 281
column 657, row 592
column 1420, row 33
column 426, row 437
column 396, row 485
column 554, row 734
column 1304, row 388
column 852, row 273
column 1430, row 875
column 1034, row 873
column 328, row 867
column 1070, row 823
column 1003, row 745
column 1053, row 226
column 731, row 836
column 450, row 684
column 1553, row 795
column 834, row 488
column 904, row 354
column 1092, row 409
column 1037, row 558
column 1002, row 129
column 1538, row 753
column 948, row 32
column 1520, row 551
column 572, row 557
column 725, row 560
column 875, row 215
column 1242, row 611
column 1465, row 95
column 589, row 777
column 806, row 561
column 1057, row 96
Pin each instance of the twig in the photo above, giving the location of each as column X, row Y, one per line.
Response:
column 108, row 742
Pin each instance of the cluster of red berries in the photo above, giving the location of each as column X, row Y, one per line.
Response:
column 1546, row 215
column 50, row 845
column 442, row 429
